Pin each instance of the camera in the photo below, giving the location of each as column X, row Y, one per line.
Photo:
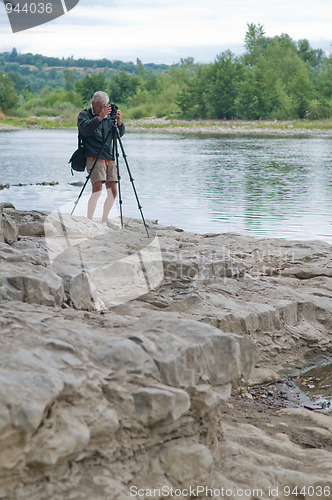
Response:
column 112, row 114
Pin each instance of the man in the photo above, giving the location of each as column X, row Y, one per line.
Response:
column 94, row 125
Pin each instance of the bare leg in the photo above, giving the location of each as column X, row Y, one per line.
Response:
column 112, row 191
column 92, row 203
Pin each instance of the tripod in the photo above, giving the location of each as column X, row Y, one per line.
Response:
column 114, row 129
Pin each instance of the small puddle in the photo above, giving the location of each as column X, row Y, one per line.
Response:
column 316, row 383
column 311, row 389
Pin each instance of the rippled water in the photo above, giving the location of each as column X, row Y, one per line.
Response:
column 265, row 187
column 317, row 384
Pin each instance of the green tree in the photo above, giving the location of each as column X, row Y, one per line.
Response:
column 13, row 55
column 190, row 99
column 8, row 94
column 121, row 86
column 69, row 78
column 221, row 86
column 277, row 85
column 260, row 94
column 293, row 72
column 89, row 85
column 19, row 82
column 52, row 74
column 157, row 94
column 301, row 91
column 323, row 80
column 212, row 91
column 254, row 42
column 308, row 54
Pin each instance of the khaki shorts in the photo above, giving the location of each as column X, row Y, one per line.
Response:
column 103, row 171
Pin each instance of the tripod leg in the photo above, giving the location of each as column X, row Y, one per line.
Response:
column 79, row 196
column 131, row 179
column 116, row 157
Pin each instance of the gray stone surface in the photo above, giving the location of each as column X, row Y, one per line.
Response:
column 160, row 405
column 99, row 395
column 9, row 229
column 1, row 229
column 31, row 283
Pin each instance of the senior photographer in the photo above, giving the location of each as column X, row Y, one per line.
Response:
column 94, row 126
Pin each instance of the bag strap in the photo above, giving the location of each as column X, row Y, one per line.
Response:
column 79, row 137
column 80, row 140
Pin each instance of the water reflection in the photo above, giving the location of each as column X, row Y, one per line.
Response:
column 317, row 384
column 275, row 187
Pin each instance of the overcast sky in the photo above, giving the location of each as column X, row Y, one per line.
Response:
column 164, row 31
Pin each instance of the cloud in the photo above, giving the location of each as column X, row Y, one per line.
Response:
column 166, row 30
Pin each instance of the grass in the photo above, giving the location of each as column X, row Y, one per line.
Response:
column 35, row 122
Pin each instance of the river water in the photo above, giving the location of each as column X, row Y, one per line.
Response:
column 261, row 186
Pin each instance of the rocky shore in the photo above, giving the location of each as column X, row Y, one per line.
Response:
column 132, row 364
column 299, row 128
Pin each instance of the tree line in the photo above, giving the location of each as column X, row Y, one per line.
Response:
column 275, row 78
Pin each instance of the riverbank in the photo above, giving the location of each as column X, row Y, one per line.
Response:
column 232, row 127
column 136, row 361
column 215, row 127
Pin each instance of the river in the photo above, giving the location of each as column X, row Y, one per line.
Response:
column 279, row 187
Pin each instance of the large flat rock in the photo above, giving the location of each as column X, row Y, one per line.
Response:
column 120, row 355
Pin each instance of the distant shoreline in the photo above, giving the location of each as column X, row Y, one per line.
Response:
column 231, row 127
column 202, row 127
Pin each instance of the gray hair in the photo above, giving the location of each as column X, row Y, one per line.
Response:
column 100, row 96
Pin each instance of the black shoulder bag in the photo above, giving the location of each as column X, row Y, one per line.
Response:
column 78, row 159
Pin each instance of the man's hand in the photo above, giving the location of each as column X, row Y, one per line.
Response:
column 118, row 118
column 105, row 110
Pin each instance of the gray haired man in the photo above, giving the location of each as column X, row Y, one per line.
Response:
column 94, row 127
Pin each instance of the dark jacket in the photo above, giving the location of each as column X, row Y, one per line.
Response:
column 93, row 133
